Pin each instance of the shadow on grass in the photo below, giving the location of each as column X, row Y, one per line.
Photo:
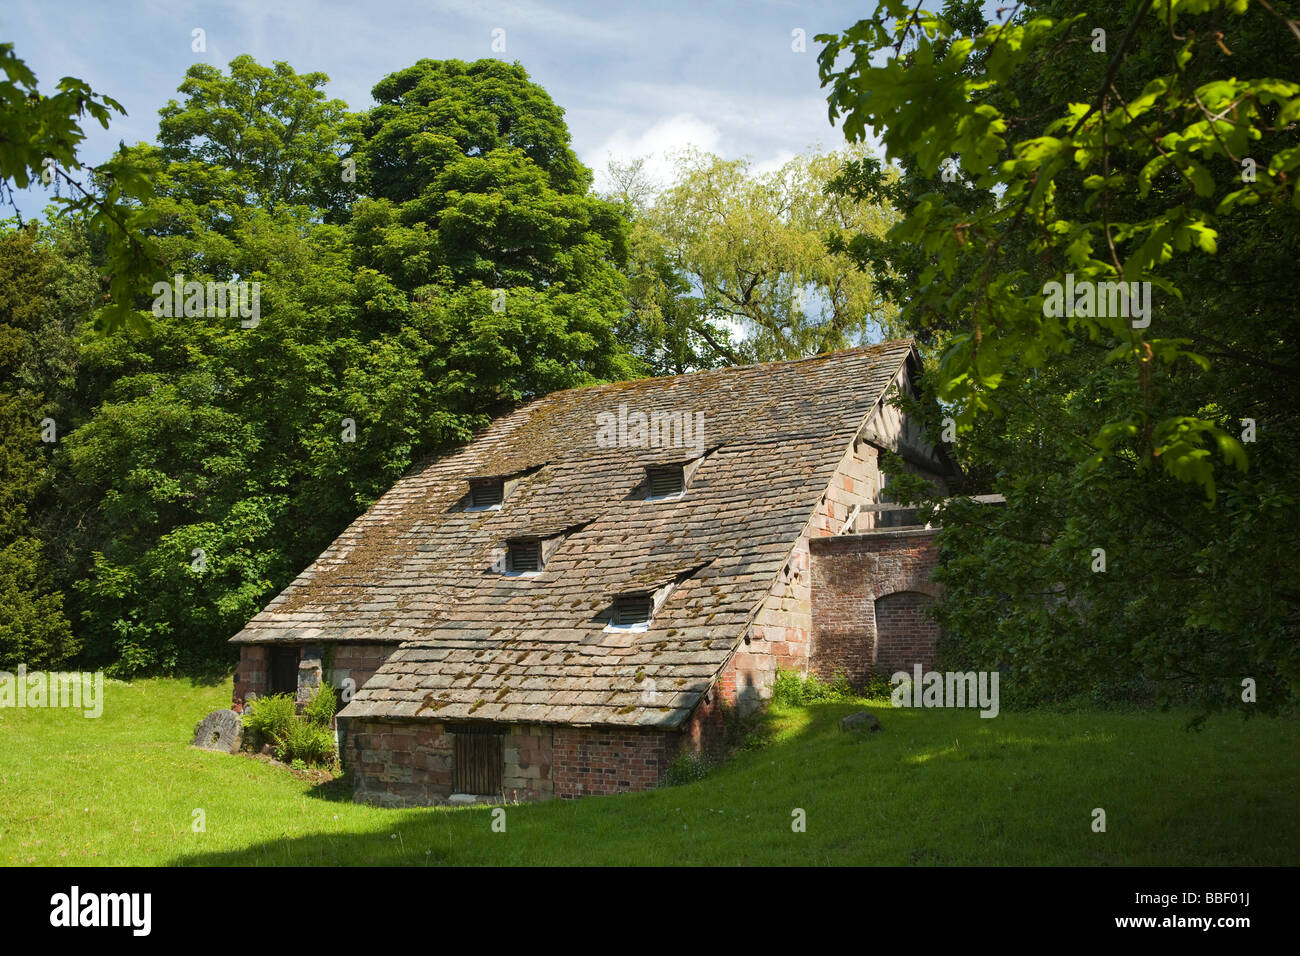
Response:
column 924, row 766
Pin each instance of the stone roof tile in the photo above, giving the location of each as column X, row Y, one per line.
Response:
column 417, row 569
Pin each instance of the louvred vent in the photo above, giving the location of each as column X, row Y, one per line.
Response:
column 665, row 481
column 632, row 609
column 485, row 494
column 524, row 556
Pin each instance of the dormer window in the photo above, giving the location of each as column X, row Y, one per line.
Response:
column 665, row 481
column 486, row 493
column 523, row 555
column 632, row 610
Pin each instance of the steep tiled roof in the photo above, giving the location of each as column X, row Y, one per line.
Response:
column 477, row 644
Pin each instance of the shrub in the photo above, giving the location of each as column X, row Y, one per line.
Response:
column 878, row 686
column 33, row 628
column 686, row 767
column 306, row 737
column 307, row 742
column 321, row 708
column 270, row 716
column 787, row 688
column 790, row 687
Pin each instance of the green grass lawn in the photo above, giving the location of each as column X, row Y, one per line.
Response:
column 935, row 787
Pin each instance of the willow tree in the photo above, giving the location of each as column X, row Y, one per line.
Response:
column 755, row 250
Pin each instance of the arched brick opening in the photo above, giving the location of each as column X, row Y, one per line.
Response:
column 905, row 633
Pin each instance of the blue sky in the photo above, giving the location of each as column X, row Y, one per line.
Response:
column 634, row 79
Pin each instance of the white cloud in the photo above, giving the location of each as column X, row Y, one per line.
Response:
column 657, row 143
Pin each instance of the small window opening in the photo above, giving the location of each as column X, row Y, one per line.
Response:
column 284, row 670
column 665, row 482
column 486, row 493
column 632, row 609
column 523, row 556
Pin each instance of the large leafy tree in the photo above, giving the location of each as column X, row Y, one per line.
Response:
column 762, row 273
column 478, row 220
column 213, row 460
column 1166, row 142
column 1106, row 569
column 432, row 116
column 36, row 299
column 259, row 136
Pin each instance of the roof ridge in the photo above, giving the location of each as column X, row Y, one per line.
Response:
column 887, row 345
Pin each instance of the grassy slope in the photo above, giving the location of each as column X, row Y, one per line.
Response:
column 936, row 787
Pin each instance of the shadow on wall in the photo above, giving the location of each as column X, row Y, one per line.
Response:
column 748, row 697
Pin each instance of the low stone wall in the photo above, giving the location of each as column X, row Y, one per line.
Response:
column 397, row 764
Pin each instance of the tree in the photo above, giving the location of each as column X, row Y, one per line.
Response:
column 34, row 629
column 478, row 219
column 756, row 250
column 432, row 116
column 39, row 137
column 261, row 136
column 1105, row 572
column 1184, row 133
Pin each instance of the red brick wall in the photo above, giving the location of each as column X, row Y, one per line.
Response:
column 856, row 580
column 592, row 760
column 706, row 729
column 905, row 632
column 412, row 763
column 252, row 675
column 780, row 635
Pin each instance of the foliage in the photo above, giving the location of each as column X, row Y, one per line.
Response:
column 1161, row 159
column 306, row 736
column 270, row 716
column 479, row 229
column 793, row 689
column 260, row 136
column 306, row 742
column 664, row 325
column 34, row 630
column 320, row 710
column 39, row 136
column 752, row 277
column 687, row 767
column 1105, row 571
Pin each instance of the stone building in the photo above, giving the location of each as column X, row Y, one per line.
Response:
column 557, row 608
